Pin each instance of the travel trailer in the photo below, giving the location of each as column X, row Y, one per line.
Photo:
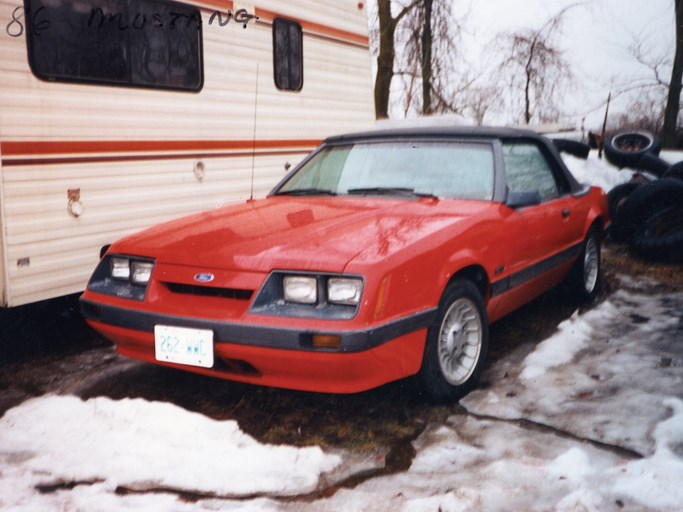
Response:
column 119, row 114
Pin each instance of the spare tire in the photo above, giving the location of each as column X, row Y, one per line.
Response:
column 648, row 199
column 615, row 200
column 661, row 235
column 675, row 171
column 625, row 148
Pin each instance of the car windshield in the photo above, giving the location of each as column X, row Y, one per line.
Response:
column 459, row 170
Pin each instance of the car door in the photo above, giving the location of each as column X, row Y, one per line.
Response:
column 539, row 236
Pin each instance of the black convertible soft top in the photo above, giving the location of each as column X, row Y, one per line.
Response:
column 464, row 132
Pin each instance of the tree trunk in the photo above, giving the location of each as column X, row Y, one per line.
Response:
column 528, row 69
column 427, row 58
column 385, row 59
column 673, row 103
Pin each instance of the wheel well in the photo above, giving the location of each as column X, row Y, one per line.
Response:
column 599, row 224
column 476, row 275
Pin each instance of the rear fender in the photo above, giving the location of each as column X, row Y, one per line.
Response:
column 598, row 214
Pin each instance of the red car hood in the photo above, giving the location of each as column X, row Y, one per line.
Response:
column 302, row 233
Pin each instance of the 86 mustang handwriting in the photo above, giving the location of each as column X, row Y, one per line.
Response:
column 132, row 21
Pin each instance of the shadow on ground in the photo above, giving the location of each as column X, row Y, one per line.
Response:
column 44, row 328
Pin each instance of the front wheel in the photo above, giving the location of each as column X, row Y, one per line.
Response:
column 457, row 344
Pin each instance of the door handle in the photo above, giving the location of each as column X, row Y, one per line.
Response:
column 566, row 213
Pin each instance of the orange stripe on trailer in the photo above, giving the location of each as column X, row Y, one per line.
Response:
column 317, row 28
column 219, row 4
column 49, row 148
column 267, row 16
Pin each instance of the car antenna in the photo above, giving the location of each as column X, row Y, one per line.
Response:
column 253, row 139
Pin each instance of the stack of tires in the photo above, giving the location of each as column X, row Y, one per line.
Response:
column 646, row 212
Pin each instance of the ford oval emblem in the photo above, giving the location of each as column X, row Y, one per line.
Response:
column 203, row 278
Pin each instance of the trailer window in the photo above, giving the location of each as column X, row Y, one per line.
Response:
column 288, row 55
column 148, row 43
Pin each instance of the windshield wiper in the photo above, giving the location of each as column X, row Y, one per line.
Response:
column 390, row 191
column 305, row 192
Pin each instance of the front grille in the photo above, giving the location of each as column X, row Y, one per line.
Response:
column 210, row 291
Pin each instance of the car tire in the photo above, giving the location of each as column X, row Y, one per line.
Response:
column 457, row 344
column 584, row 279
column 625, row 148
column 652, row 164
column 615, row 200
column 648, row 199
column 674, row 171
column 572, row 147
column 660, row 237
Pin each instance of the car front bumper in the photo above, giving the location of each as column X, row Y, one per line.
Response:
column 276, row 356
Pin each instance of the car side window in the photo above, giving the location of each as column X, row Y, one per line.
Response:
column 527, row 169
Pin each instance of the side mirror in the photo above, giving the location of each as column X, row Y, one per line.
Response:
column 523, row 198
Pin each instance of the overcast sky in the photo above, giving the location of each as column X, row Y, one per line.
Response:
column 595, row 38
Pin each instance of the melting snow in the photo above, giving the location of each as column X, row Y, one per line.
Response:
column 137, row 444
column 596, row 171
column 603, row 376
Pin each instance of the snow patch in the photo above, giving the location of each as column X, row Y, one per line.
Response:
column 596, row 172
column 138, row 444
column 658, row 480
column 603, row 376
column 572, row 336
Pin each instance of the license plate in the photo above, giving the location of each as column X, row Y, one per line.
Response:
column 192, row 347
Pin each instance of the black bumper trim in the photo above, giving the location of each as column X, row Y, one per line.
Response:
column 258, row 335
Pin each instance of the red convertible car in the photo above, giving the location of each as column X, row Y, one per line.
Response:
column 382, row 255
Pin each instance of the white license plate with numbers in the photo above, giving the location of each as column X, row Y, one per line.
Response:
column 181, row 345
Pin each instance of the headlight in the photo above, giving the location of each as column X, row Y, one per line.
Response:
column 120, row 268
column 132, row 270
column 120, row 276
column 342, row 290
column 301, row 289
column 141, row 271
column 309, row 295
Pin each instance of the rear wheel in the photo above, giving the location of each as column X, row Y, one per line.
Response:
column 584, row 279
column 457, row 344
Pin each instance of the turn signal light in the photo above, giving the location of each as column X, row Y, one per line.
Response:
column 326, row 340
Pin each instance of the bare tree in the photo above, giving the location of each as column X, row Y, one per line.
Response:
column 426, row 60
column 535, row 69
column 387, row 53
column 645, row 114
column 654, row 101
column 670, row 129
column 432, row 73
column 479, row 100
column 645, row 93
